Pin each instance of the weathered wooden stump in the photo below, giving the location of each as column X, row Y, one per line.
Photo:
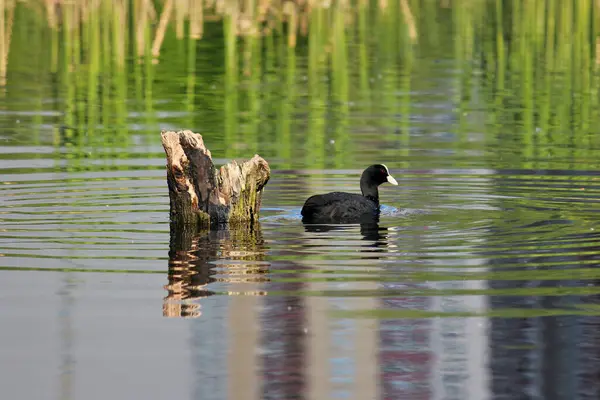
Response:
column 202, row 196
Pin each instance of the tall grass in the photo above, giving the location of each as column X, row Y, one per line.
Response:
column 530, row 67
column 541, row 68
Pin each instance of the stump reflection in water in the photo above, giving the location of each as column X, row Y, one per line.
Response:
column 192, row 268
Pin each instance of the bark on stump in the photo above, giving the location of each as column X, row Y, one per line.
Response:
column 202, row 196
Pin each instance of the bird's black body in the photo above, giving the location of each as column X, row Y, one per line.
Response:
column 348, row 208
column 341, row 208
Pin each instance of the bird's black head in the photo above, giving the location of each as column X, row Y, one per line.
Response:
column 377, row 174
column 372, row 177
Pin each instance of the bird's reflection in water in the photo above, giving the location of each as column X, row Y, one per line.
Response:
column 192, row 268
column 369, row 231
column 376, row 236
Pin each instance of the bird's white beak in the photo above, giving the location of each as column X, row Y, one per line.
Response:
column 391, row 180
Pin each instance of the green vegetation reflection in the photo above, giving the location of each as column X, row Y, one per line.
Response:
column 126, row 68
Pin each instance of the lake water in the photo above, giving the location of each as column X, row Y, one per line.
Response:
column 479, row 282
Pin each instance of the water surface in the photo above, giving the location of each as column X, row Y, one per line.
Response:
column 480, row 280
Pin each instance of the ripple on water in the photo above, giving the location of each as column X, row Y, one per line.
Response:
column 461, row 262
column 442, row 232
column 98, row 216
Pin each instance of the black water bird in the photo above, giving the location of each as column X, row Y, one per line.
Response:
column 348, row 208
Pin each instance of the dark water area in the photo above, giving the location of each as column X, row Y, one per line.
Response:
column 480, row 280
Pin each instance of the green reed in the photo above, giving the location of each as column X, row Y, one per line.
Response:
column 315, row 136
column 530, row 66
column 340, row 87
column 254, row 102
column 190, row 98
column 286, row 114
column 545, row 80
column 230, row 111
